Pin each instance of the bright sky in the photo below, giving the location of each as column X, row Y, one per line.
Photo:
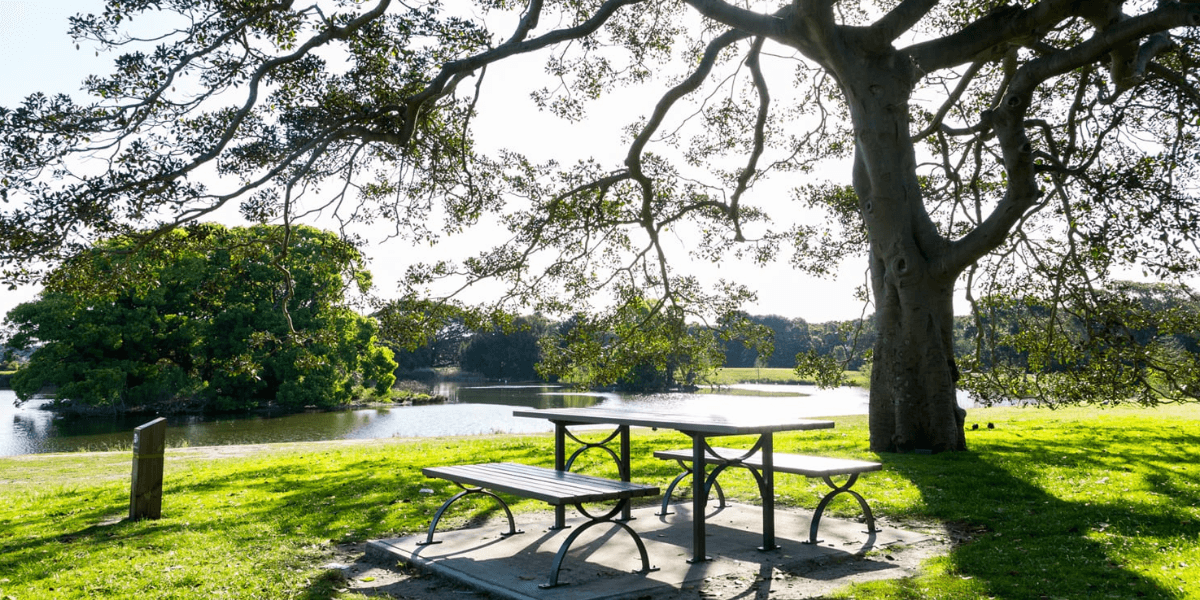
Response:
column 37, row 55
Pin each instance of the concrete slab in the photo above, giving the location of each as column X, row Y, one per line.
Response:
column 601, row 563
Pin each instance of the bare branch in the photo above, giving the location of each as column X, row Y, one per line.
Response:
column 758, row 24
column 936, row 123
column 902, row 18
column 760, row 124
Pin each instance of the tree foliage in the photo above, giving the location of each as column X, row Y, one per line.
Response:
column 1025, row 149
column 641, row 344
column 511, row 353
column 1139, row 342
column 196, row 320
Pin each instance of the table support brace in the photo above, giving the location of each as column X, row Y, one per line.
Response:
column 563, row 463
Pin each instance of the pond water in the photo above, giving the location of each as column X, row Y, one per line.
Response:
column 469, row 410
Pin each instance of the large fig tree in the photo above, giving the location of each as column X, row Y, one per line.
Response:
column 1018, row 148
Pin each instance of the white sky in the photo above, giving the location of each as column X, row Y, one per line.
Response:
column 37, row 55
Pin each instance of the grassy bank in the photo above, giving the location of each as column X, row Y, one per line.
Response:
column 1063, row 504
column 732, row 375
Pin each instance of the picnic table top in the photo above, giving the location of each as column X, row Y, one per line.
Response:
column 714, row 424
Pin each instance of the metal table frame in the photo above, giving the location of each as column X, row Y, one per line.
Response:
column 699, row 428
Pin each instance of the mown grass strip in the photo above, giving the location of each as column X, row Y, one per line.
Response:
column 734, row 375
column 1065, row 504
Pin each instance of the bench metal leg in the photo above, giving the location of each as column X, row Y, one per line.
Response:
column 687, row 470
column 816, row 519
column 512, row 527
column 607, row 518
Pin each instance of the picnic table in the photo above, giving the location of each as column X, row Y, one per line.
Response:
column 699, row 427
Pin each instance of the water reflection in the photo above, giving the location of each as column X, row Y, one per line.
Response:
column 470, row 410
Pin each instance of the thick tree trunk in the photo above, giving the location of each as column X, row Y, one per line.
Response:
column 913, row 405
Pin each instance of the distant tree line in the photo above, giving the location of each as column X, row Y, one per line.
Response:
column 1017, row 343
column 1137, row 341
column 522, row 351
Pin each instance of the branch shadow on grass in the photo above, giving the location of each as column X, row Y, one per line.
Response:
column 1019, row 540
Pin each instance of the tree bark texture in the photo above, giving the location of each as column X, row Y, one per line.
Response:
column 913, row 404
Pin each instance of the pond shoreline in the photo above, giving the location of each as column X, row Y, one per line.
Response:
column 467, row 409
column 73, row 410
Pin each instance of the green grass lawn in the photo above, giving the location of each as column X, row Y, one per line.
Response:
column 1049, row 504
column 732, row 375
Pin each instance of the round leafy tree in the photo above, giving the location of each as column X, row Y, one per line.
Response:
column 204, row 317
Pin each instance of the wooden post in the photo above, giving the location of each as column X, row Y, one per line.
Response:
column 145, row 494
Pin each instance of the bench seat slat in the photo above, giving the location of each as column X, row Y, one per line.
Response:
column 570, row 486
column 563, row 483
column 539, row 483
column 514, row 476
column 564, row 480
column 798, row 464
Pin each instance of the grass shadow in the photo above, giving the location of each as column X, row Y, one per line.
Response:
column 1030, row 526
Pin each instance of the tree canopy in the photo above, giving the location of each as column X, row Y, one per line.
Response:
column 195, row 321
column 1022, row 149
column 1132, row 341
column 636, row 345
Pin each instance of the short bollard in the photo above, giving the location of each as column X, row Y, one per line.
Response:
column 145, row 494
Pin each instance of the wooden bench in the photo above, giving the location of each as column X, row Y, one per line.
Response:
column 557, row 488
column 798, row 464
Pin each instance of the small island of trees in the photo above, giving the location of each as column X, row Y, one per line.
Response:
column 203, row 318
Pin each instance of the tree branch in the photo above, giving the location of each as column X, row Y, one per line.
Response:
column 1136, row 71
column 902, row 18
column 992, row 31
column 633, row 159
column 758, row 24
column 959, row 89
column 760, row 124
column 1009, row 122
column 438, row 86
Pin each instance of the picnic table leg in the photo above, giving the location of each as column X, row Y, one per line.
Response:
column 699, row 499
column 560, row 464
column 767, row 446
column 626, row 467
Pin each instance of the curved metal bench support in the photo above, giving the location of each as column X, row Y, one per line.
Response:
column 816, row 518
column 708, row 488
column 769, row 464
column 711, row 482
column 512, row 526
column 593, row 520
